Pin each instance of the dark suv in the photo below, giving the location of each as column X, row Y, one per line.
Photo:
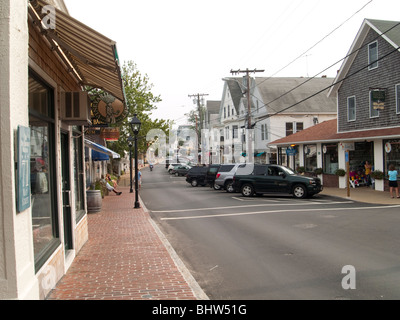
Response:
column 259, row 179
column 202, row 175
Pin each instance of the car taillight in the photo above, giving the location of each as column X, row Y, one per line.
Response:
column 218, row 175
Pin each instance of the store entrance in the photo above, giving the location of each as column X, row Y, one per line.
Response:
column 363, row 153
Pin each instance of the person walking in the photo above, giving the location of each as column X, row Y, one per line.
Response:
column 393, row 181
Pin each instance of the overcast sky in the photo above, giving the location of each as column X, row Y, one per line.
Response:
column 186, row 47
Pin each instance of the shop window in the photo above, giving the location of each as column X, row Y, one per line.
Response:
column 79, row 185
column 392, row 154
column 43, row 184
column 310, row 157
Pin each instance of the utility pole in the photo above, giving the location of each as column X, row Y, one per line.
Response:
column 197, row 96
column 249, row 125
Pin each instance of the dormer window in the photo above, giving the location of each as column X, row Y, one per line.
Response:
column 373, row 55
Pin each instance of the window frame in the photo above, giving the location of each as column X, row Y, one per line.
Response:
column 373, row 64
column 371, row 109
column 43, row 255
column 348, row 109
column 397, row 94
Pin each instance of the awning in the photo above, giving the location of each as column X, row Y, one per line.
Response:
column 101, row 149
column 90, row 55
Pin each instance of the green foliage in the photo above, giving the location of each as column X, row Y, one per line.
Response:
column 377, row 174
column 140, row 100
column 340, row 172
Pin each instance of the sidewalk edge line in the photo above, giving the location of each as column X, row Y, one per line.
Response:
column 197, row 290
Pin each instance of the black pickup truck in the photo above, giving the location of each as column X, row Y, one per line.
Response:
column 203, row 175
column 259, row 179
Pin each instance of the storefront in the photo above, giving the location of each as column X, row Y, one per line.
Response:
column 392, row 154
column 42, row 154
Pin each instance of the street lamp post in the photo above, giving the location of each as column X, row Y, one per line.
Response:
column 135, row 127
column 130, row 141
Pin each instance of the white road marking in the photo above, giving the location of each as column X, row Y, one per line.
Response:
column 275, row 211
column 247, row 206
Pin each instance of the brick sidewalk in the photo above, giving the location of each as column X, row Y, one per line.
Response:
column 124, row 259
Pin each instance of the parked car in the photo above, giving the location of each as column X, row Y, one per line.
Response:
column 202, row 175
column 259, row 179
column 224, row 177
column 171, row 166
column 180, row 170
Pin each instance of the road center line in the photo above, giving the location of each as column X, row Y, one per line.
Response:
column 247, row 206
column 274, row 211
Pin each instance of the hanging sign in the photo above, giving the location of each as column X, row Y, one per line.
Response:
column 378, row 98
column 109, row 110
column 109, row 134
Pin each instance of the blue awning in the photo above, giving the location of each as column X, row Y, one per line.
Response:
column 99, row 156
column 99, row 152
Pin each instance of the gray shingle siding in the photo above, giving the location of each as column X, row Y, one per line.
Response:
column 387, row 75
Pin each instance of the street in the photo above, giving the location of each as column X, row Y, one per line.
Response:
column 277, row 247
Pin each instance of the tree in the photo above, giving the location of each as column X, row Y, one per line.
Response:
column 141, row 101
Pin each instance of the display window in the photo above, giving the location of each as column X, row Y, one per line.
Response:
column 43, row 185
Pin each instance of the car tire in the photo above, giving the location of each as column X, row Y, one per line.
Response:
column 299, row 191
column 194, row 183
column 247, row 190
column 229, row 187
column 176, row 174
column 216, row 186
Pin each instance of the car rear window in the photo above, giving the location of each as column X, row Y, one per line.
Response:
column 226, row 168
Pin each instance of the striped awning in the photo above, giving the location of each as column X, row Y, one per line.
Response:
column 91, row 56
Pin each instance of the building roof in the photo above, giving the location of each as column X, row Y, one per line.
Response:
column 390, row 31
column 327, row 132
column 213, row 106
column 236, row 91
column 289, row 95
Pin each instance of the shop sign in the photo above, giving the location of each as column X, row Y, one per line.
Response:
column 291, row 151
column 378, row 98
column 388, row 147
column 349, row 146
column 109, row 134
column 23, row 168
column 109, row 110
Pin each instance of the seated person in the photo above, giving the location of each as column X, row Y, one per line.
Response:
column 112, row 182
column 110, row 187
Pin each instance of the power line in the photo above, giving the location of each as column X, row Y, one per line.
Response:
column 333, row 84
column 313, row 46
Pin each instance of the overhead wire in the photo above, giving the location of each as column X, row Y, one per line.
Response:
column 309, row 79
column 312, row 47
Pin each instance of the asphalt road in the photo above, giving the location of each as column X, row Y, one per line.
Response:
column 277, row 247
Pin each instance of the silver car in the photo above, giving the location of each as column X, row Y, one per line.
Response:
column 224, row 178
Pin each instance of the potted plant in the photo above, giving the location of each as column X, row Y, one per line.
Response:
column 318, row 171
column 377, row 175
column 301, row 170
column 340, row 172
